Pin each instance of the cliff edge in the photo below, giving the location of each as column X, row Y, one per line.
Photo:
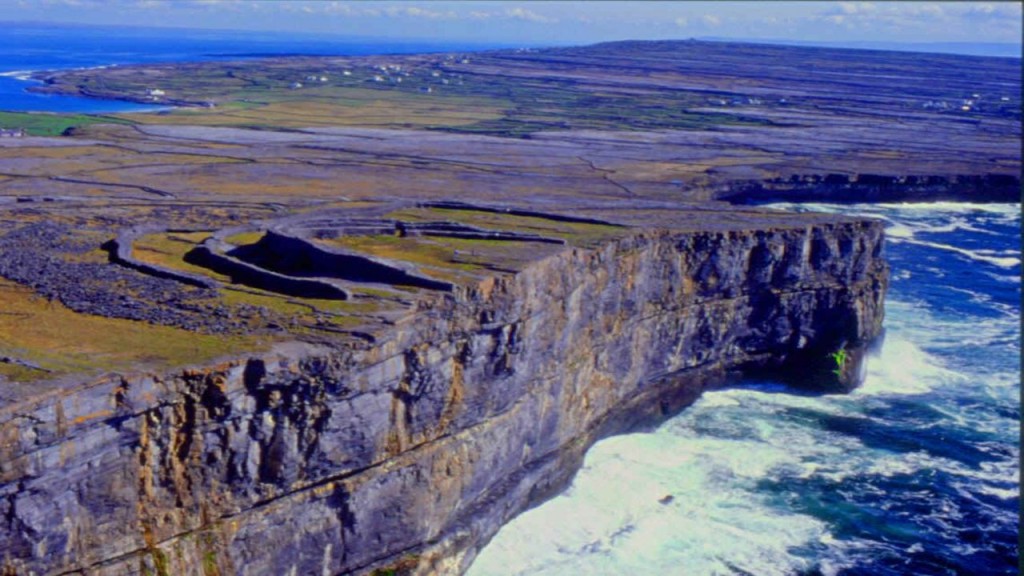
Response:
column 408, row 451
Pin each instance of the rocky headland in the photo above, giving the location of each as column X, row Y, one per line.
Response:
column 357, row 327
column 411, row 451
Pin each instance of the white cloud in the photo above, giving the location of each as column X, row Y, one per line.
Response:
column 682, row 22
column 422, row 10
column 992, row 11
column 519, row 13
column 417, row 12
column 711, row 20
column 857, row 7
column 933, row 10
column 339, row 8
column 985, row 9
column 69, row 3
column 888, row 16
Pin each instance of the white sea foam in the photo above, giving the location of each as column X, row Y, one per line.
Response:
column 19, row 74
column 915, row 323
column 906, row 228
column 722, row 460
column 1009, row 210
column 899, row 231
column 903, row 368
column 905, row 209
column 1002, row 262
column 1003, row 278
column 27, row 74
column 620, row 520
column 709, row 460
column 907, row 220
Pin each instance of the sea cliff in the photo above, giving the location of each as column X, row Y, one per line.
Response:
column 409, row 452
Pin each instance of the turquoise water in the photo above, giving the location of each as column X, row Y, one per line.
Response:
column 916, row 472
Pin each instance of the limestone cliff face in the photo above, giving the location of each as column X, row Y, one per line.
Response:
column 410, row 453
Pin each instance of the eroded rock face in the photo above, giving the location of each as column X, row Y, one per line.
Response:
column 410, row 453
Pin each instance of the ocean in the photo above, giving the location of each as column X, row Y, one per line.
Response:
column 914, row 473
column 27, row 48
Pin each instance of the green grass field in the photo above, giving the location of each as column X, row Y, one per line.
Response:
column 46, row 124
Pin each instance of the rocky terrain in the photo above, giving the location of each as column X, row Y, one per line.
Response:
column 354, row 327
column 411, row 451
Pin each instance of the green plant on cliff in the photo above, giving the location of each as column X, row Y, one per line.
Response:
column 210, row 567
column 839, row 357
column 160, row 562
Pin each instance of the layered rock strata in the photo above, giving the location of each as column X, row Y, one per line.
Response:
column 408, row 454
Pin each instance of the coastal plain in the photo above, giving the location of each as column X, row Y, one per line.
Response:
column 296, row 241
column 619, row 131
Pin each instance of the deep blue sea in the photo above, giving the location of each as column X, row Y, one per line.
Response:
column 915, row 473
column 27, row 48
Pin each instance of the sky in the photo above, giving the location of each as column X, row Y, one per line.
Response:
column 543, row 23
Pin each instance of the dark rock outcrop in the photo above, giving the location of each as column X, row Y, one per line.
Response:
column 410, row 453
column 876, row 188
column 32, row 257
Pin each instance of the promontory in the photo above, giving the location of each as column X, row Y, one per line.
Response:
column 349, row 315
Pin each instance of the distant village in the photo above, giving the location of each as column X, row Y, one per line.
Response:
column 426, row 79
column 972, row 103
column 395, row 74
